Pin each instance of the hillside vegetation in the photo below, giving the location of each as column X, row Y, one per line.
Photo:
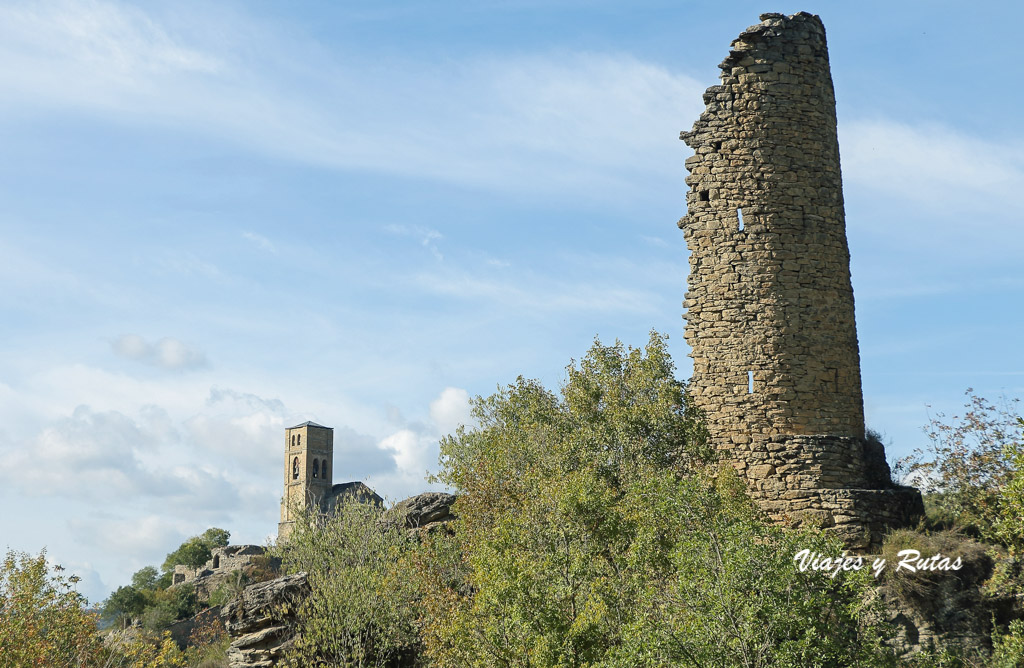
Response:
column 594, row 527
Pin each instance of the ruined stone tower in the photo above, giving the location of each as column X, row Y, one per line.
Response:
column 770, row 312
column 308, row 464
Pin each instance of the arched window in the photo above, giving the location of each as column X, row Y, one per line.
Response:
column 216, row 561
column 293, row 440
column 300, row 439
column 316, row 468
column 295, row 469
column 323, row 469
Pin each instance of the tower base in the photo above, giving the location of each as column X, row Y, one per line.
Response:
column 840, row 483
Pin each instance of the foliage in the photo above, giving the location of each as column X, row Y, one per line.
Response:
column 1008, row 526
column 126, row 603
column 230, row 589
column 132, row 648
column 362, row 610
column 972, row 472
column 170, row 605
column 593, row 530
column 149, row 598
column 1008, row 648
column 42, row 620
column 155, row 608
column 208, row 645
column 145, row 578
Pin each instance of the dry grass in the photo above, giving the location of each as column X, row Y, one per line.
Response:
column 918, row 588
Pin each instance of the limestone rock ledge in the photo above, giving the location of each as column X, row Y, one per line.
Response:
column 261, row 621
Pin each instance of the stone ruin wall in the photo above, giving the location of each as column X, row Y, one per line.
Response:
column 770, row 310
column 221, row 565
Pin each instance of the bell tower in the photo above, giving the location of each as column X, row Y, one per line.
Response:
column 308, row 471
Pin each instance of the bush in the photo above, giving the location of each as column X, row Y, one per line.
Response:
column 42, row 618
column 168, row 606
column 208, row 645
column 125, row 605
column 973, row 471
column 1008, row 648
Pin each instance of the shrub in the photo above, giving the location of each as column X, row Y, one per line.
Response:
column 42, row 619
column 1008, row 648
column 972, row 472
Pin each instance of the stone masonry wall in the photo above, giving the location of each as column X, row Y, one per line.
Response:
column 773, row 299
column 770, row 310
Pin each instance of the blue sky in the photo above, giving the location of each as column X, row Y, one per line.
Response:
column 220, row 220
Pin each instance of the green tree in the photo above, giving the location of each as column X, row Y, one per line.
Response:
column 197, row 550
column 145, row 578
column 214, row 537
column 595, row 529
column 1008, row 527
column 126, row 604
column 42, row 618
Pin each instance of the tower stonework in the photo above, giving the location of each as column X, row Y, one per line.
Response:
column 770, row 310
column 308, row 471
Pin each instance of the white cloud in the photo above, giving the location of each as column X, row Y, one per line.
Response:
column 98, row 455
column 522, row 123
column 167, row 353
column 936, row 167
column 415, row 453
column 133, row 347
column 450, row 410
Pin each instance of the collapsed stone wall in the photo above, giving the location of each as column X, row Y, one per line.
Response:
column 770, row 309
column 223, row 565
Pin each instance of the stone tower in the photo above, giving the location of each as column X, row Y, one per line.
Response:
column 308, row 464
column 770, row 312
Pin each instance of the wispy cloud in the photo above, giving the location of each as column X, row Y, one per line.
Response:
column 260, row 241
column 936, row 167
column 523, row 123
column 427, row 237
column 167, row 353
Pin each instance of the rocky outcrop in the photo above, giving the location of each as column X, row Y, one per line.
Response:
column 261, row 621
column 955, row 613
column 423, row 512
